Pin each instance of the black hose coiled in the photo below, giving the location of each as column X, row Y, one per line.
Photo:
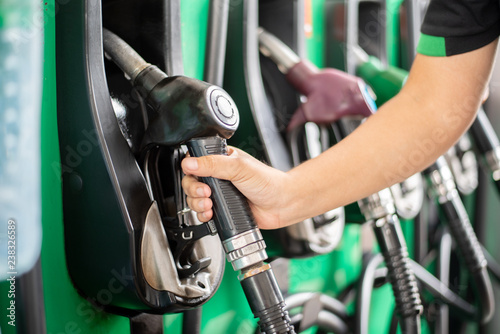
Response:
column 275, row 320
column 404, row 284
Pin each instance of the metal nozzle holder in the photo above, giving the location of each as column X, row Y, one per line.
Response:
column 441, row 179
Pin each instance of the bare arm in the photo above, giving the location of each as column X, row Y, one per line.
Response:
column 436, row 106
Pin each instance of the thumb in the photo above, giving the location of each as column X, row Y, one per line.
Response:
column 218, row 166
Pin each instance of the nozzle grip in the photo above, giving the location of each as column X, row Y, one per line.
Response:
column 231, row 210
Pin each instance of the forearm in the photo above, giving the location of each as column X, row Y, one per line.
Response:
column 406, row 135
column 381, row 152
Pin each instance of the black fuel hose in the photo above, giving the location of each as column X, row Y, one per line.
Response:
column 191, row 321
column 328, row 303
column 442, row 324
column 483, row 133
column 373, row 276
column 493, row 266
column 473, row 256
column 442, row 184
column 362, row 315
column 435, row 287
column 123, row 55
column 409, row 324
column 316, row 309
column 400, row 274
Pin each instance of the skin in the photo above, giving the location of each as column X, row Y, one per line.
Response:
column 435, row 107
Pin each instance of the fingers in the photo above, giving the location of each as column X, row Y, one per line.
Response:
column 197, row 198
column 202, row 206
column 218, row 166
column 194, row 188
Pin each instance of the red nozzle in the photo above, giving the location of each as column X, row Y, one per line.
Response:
column 331, row 94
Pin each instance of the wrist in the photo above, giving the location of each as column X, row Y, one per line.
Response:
column 292, row 201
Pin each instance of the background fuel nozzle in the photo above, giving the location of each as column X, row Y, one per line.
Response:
column 443, row 188
column 331, row 94
column 386, row 81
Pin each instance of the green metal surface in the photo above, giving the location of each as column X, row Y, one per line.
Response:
column 66, row 311
column 393, row 31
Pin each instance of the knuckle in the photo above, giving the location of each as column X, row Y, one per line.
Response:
column 188, row 184
column 189, row 202
column 185, row 182
column 207, row 203
column 201, row 217
column 237, row 168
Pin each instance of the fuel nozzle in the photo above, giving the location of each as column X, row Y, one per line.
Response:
column 443, row 188
column 385, row 80
column 379, row 209
column 203, row 116
column 185, row 107
column 331, row 93
column 243, row 244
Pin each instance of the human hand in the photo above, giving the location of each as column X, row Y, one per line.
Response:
column 263, row 186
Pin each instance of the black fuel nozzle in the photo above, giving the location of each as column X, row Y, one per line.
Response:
column 185, row 108
column 379, row 209
column 202, row 116
column 443, row 188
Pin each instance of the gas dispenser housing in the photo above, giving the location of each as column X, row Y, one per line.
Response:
column 117, row 250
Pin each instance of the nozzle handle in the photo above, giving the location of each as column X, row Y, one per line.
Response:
column 243, row 244
column 231, row 210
